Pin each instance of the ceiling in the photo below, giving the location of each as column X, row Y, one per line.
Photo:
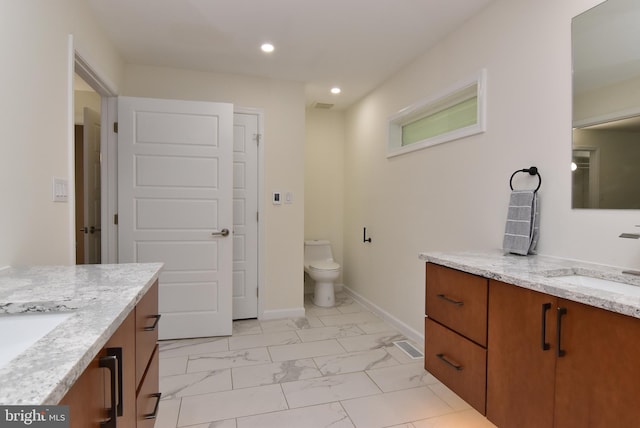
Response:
column 353, row 44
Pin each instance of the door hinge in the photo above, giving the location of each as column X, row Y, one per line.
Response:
column 115, row 219
column 258, row 136
column 257, row 292
column 257, row 215
column 115, row 127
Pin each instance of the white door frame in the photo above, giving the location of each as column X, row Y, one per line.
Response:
column 78, row 62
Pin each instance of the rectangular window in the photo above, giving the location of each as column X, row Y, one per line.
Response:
column 455, row 113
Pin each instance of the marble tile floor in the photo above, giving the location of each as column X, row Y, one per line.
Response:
column 337, row 367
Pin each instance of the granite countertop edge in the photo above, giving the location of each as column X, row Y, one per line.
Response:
column 99, row 298
column 543, row 274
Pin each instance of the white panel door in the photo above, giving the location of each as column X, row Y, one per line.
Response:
column 245, row 212
column 175, row 179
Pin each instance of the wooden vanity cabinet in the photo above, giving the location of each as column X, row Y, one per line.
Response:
column 137, row 389
column 456, row 332
column 588, row 376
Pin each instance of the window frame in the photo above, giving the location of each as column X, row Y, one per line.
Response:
column 454, row 94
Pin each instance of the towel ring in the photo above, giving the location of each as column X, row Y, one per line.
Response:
column 532, row 171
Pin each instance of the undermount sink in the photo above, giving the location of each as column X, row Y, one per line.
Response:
column 18, row 332
column 601, row 284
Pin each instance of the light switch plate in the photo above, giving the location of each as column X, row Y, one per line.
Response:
column 60, row 189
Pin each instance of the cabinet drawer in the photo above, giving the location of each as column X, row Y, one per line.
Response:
column 148, row 397
column 146, row 330
column 458, row 300
column 457, row 362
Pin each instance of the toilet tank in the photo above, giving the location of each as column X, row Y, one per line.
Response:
column 317, row 250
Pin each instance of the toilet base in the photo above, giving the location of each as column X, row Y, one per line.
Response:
column 324, row 295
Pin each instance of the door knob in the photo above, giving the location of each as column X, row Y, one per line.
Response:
column 223, row 232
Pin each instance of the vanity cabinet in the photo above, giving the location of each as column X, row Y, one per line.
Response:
column 559, row 363
column 124, row 372
column 456, row 332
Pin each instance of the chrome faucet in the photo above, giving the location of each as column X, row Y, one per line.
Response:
column 631, row 236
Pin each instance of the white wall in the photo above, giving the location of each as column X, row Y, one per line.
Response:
column 454, row 196
column 283, row 104
column 324, row 172
column 35, row 122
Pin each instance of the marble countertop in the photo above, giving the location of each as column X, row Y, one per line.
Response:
column 100, row 297
column 544, row 274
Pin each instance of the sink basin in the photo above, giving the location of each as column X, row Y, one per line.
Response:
column 18, row 332
column 601, row 284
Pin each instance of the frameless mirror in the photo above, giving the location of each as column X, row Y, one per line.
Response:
column 606, row 106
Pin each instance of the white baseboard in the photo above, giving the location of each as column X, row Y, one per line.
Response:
column 276, row 314
column 403, row 328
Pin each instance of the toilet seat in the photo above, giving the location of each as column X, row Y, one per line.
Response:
column 324, row 265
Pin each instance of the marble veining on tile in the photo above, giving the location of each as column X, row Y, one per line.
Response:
column 312, row 384
column 279, row 372
column 229, row 359
column 355, row 361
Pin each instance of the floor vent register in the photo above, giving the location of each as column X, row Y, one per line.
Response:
column 409, row 349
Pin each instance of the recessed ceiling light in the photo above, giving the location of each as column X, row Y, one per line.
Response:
column 336, row 90
column 267, row 47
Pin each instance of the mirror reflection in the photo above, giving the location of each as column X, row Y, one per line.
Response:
column 606, row 106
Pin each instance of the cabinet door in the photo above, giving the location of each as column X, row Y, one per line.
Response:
column 124, row 340
column 598, row 378
column 148, row 398
column 520, row 374
column 86, row 397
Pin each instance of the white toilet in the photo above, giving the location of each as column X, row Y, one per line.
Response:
column 320, row 266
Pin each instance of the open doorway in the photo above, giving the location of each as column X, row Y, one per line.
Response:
column 92, row 150
column 87, row 161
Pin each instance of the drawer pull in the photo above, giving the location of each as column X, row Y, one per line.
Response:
column 117, row 352
column 559, row 351
column 545, row 308
column 153, row 414
column 450, row 300
column 450, row 363
column 155, row 323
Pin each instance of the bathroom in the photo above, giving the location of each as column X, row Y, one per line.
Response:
column 448, row 197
